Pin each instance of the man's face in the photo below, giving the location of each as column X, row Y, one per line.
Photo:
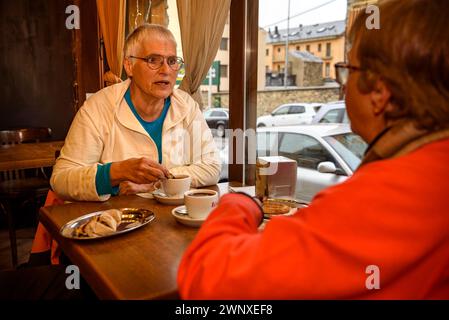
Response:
column 157, row 83
column 357, row 103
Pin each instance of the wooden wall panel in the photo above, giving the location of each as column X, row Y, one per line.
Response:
column 35, row 65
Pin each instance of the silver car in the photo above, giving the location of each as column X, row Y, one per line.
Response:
column 289, row 114
column 326, row 154
column 334, row 112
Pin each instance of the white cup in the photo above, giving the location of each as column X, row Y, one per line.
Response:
column 177, row 186
column 200, row 202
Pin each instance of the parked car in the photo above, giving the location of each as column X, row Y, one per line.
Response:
column 334, row 112
column 217, row 119
column 289, row 115
column 326, row 154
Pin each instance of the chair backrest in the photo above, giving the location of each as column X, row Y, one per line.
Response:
column 10, row 137
column 37, row 134
column 23, row 135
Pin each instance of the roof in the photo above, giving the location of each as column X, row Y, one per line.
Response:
column 317, row 130
column 305, row 56
column 306, row 33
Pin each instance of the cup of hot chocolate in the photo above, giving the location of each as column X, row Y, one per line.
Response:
column 199, row 203
column 177, row 185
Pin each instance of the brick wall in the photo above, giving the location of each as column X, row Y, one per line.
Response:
column 268, row 100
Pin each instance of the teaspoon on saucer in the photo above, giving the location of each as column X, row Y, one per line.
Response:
column 182, row 211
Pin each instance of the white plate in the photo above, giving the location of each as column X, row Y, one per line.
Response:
column 148, row 195
column 170, row 200
column 185, row 219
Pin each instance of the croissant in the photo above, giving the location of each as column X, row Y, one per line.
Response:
column 101, row 225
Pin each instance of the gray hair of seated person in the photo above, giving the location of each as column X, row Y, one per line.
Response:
column 409, row 53
column 145, row 32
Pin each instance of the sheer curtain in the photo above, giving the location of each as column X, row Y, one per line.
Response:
column 202, row 23
column 112, row 15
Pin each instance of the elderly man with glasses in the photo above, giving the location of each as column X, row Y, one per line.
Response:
column 128, row 136
column 381, row 234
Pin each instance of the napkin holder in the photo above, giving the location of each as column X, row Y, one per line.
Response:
column 275, row 177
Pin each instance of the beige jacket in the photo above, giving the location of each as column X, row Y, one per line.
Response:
column 105, row 130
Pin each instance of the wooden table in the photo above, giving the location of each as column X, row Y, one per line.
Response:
column 141, row 264
column 28, row 155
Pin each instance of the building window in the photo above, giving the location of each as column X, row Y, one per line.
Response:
column 319, row 47
column 279, row 49
column 267, row 69
column 224, row 44
column 267, row 52
column 327, row 71
column 298, row 48
column 223, row 71
column 279, row 68
column 328, row 50
column 308, row 47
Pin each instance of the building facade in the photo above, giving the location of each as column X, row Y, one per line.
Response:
column 324, row 40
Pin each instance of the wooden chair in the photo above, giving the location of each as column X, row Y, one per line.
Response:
column 18, row 187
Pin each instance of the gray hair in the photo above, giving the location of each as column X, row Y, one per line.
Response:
column 145, row 32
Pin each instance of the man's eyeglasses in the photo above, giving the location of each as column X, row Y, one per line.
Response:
column 155, row 61
column 342, row 71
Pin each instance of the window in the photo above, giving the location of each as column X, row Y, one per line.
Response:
column 333, row 116
column 328, row 50
column 349, row 146
column 296, row 109
column 267, row 69
column 307, row 151
column 327, row 71
column 223, row 70
column 319, row 47
column 267, row 144
column 224, row 44
column 298, row 48
column 281, row 111
column 220, row 114
column 308, row 47
column 279, row 49
column 267, row 52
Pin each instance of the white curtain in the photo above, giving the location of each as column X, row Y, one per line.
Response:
column 202, row 23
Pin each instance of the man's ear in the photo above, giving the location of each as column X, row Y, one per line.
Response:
column 128, row 67
column 380, row 97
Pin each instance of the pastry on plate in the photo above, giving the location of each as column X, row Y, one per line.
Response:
column 100, row 225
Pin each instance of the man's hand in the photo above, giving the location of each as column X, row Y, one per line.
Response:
column 138, row 171
column 127, row 187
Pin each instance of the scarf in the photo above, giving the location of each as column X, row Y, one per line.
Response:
column 399, row 139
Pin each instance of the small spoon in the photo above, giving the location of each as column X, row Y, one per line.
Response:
column 182, row 211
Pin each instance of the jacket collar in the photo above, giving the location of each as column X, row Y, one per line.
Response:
column 177, row 112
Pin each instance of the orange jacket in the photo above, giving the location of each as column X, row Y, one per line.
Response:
column 43, row 240
column 393, row 214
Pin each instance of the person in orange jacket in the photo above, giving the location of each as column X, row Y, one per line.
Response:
column 384, row 232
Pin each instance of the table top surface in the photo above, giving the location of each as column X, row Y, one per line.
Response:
column 141, row 264
column 28, row 155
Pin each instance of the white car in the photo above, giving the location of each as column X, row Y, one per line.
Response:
column 289, row 115
column 326, row 154
column 333, row 112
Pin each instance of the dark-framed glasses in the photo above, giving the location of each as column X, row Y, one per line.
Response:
column 155, row 61
column 342, row 71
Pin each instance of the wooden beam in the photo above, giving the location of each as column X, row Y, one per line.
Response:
column 242, row 84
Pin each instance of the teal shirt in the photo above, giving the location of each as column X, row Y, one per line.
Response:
column 154, row 129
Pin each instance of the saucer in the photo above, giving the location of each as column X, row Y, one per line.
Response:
column 185, row 219
column 148, row 195
column 170, row 200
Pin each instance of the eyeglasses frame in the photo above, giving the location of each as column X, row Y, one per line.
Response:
column 165, row 59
